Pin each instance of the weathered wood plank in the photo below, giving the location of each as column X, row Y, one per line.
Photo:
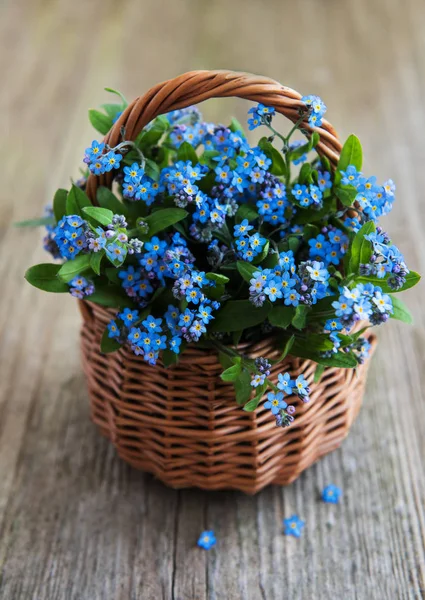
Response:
column 75, row 522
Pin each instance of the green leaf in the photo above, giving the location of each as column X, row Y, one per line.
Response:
column 152, row 135
column 100, row 121
column 44, row 277
column 278, row 166
column 346, row 195
column 239, row 314
column 187, row 152
column 110, row 295
column 101, row 215
column 243, row 387
column 117, row 93
column 305, row 148
column 412, row 279
column 235, row 126
column 281, row 316
column 152, row 170
column 264, row 252
column 245, row 211
column 286, row 349
column 42, row 221
column 74, row 267
column 400, row 311
column 252, row 404
column 345, row 360
column 318, row 373
column 305, row 177
column 112, row 110
column 246, row 270
column 169, row 358
column 232, row 373
column 311, row 215
column 359, row 246
column 225, row 360
column 300, row 318
column 76, row 201
column 95, row 260
column 351, row 154
column 107, row 199
column 161, row 219
column 59, row 204
column 108, row 344
column 220, row 279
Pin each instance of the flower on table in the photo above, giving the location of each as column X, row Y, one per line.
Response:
column 331, row 494
column 293, row 526
column 207, row 540
column 275, row 402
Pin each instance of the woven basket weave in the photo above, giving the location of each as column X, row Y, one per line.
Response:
column 182, row 423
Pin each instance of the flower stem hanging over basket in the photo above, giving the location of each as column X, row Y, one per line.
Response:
column 227, row 289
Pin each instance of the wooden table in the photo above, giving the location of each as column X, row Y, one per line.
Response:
column 76, row 523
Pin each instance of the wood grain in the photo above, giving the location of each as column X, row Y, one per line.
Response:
column 75, row 522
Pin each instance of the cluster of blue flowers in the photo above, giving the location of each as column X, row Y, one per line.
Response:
column 308, row 196
column 317, row 109
column 261, row 115
column 70, row 236
column 99, row 162
column 80, row 287
column 248, row 246
column 145, row 336
column 386, row 259
column 329, row 246
column 375, row 200
column 138, row 186
column 362, row 302
column 304, row 284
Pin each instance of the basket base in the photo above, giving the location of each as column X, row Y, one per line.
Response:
column 182, row 424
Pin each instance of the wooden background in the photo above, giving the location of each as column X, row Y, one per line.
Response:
column 75, row 522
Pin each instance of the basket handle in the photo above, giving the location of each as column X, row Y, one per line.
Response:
column 197, row 86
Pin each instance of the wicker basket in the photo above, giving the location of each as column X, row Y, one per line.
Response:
column 182, row 423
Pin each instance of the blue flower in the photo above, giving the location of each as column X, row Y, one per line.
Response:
column 317, row 108
column 331, row 494
column 175, row 343
column 350, row 176
column 128, row 316
column 285, row 384
column 333, row 325
column 275, row 402
column 78, row 282
column 186, row 318
column 317, row 273
column 115, row 253
column 133, row 174
column 273, row 290
column 383, row 302
column 152, row 325
column 94, row 152
column 135, row 336
column 207, row 540
column 113, row 329
column 204, row 313
column 324, row 180
column 243, row 228
column 293, row 526
column 258, row 379
column 301, row 386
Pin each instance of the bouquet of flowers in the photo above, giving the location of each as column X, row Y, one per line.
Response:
column 206, row 239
